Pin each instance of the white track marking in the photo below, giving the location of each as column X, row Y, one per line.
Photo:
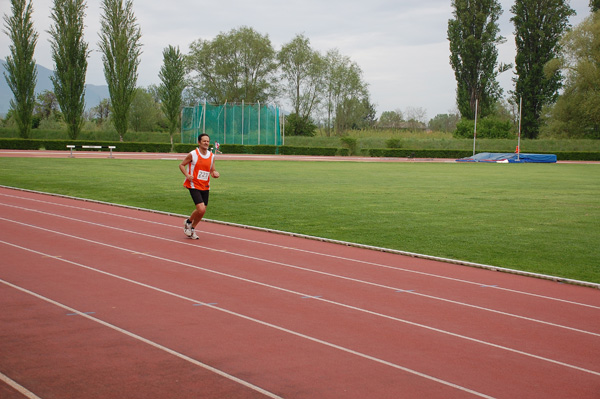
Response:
column 144, row 340
column 286, row 247
column 300, row 294
column 321, row 273
column 212, row 306
column 17, row 387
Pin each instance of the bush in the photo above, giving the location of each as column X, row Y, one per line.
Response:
column 291, row 150
column 351, row 143
column 53, row 145
column 487, row 128
column 296, row 126
column 393, row 143
column 408, row 153
column 61, row 145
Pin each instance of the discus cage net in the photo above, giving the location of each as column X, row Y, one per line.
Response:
column 232, row 123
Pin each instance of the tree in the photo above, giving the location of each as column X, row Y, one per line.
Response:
column 45, row 110
column 235, row 66
column 594, row 5
column 444, row 122
column 69, row 52
column 577, row 110
column 46, row 105
column 416, row 118
column 303, row 72
column 170, row 91
column 21, row 73
column 355, row 113
column 121, row 49
column 296, row 126
column 390, row 119
column 101, row 112
column 473, row 34
column 144, row 112
column 346, row 93
column 539, row 25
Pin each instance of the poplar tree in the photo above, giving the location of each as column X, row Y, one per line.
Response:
column 69, row 52
column 21, row 72
column 172, row 77
column 121, row 49
column 473, row 34
column 539, row 25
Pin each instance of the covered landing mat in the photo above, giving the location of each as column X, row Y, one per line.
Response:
column 508, row 157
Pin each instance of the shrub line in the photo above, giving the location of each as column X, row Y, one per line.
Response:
column 35, row 144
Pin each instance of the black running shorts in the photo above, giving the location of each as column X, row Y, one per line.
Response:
column 199, row 196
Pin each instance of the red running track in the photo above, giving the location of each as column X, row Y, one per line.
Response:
column 101, row 301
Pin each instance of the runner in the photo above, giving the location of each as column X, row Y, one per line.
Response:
column 197, row 167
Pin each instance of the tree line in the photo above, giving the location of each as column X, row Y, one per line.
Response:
column 119, row 43
column 556, row 72
column 550, row 58
column 237, row 66
column 242, row 65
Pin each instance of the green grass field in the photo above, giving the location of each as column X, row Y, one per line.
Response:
column 543, row 218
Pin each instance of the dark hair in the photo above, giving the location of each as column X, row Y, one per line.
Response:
column 202, row 135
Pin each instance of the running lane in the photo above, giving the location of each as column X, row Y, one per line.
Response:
column 99, row 299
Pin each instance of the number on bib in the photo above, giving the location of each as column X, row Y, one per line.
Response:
column 203, row 175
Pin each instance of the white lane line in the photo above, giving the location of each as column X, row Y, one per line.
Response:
column 395, row 289
column 144, row 340
column 300, row 294
column 396, row 268
column 232, row 313
column 18, row 387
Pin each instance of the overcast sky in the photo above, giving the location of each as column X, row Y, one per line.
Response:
column 400, row 45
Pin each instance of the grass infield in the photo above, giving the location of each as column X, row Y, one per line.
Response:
column 541, row 218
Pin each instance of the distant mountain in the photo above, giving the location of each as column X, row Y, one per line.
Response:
column 93, row 93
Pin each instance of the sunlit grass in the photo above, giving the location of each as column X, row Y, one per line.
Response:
column 535, row 217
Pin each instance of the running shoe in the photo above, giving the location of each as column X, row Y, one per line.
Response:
column 193, row 236
column 187, row 228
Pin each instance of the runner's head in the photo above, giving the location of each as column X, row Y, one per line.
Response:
column 204, row 141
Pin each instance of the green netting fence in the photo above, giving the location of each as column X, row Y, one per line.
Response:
column 246, row 124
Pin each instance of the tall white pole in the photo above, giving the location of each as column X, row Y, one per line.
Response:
column 204, row 118
column 475, row 129
column 225, row 123
column 198, row 118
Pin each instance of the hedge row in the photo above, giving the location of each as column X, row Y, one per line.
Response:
column 408, row 153
column 284, row 150
column 54, row 145
column 32, row 144
column 457, row 154
column 577, row 155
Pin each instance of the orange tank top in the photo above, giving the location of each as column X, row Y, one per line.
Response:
column 199, row 168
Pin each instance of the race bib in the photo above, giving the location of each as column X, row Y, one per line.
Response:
column 203, row 175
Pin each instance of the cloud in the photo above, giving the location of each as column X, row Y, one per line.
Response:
column 401, row 46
